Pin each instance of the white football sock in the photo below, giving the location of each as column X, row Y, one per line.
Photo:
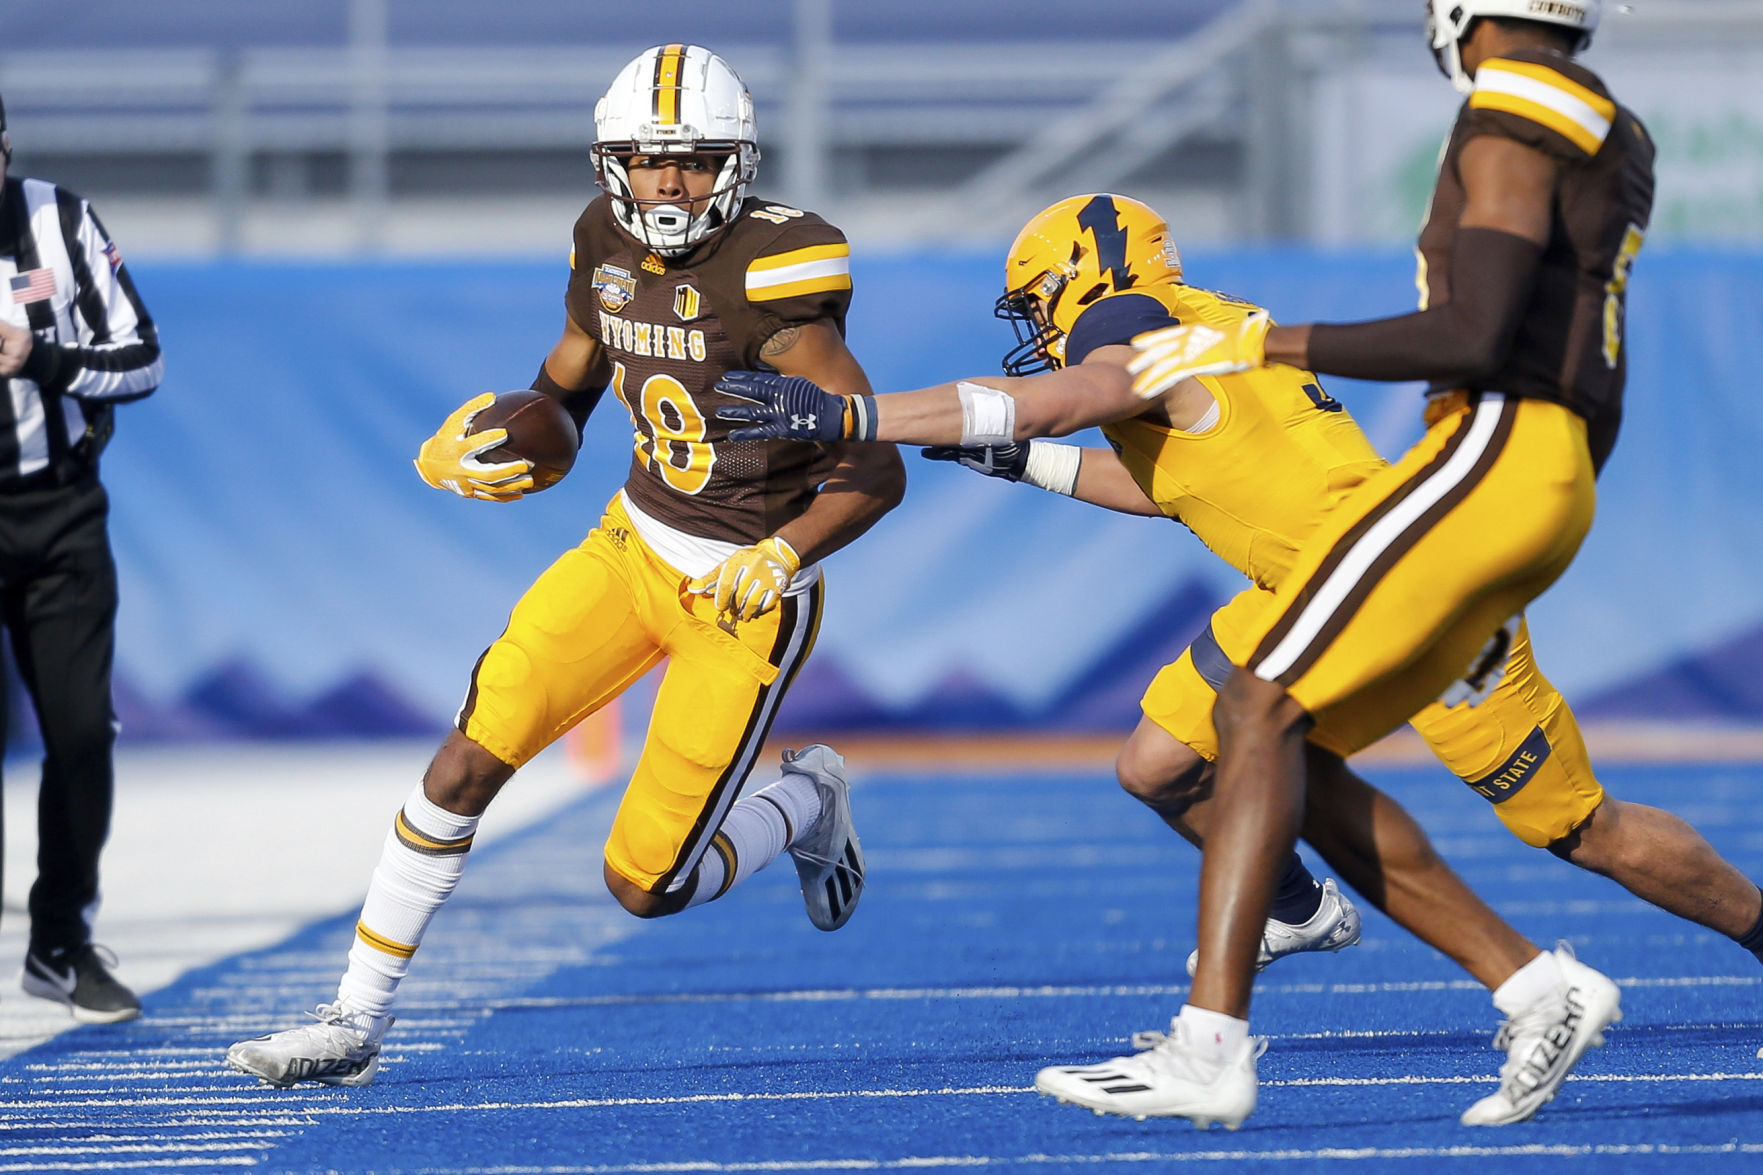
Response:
column 798, row 799
column 420, row 863
column 1214, row 1035
column 1528, row 984
column 754, row 832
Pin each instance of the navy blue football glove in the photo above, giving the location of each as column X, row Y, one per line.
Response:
column 782, row 407
column 1005, row 461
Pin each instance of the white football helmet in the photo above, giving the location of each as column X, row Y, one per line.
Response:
column 683, row 100
column 1448, row 20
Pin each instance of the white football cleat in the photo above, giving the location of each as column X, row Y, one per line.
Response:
column 829, row 859
column 1545, row 1040
column 1334, row 927
column 342, row 1048
column 1166, row 1079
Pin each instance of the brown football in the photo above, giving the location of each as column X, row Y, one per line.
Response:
column 539, row 430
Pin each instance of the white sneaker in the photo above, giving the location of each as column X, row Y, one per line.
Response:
column 1166, row 1079
column 829, row 860
column 1545, row 1040
column 343, row 1048
column 1334, row 927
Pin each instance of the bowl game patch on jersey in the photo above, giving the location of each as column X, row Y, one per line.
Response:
column 615, row 286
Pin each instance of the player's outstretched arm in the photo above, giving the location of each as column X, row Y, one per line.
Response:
column 1095, row 476
column 982, row 411
column 1103, row 481
column 865, row 483
column 868, row 481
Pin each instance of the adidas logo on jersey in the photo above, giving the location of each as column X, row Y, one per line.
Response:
column 653, row 339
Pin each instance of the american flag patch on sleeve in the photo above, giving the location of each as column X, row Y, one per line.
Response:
column 112, row 255
column 33, row 285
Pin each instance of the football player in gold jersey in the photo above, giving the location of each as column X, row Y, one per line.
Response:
column 708, row 557
column 1253, row 463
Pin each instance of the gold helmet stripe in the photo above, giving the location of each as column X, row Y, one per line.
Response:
column 667, row 73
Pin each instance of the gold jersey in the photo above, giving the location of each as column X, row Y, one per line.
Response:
column 1282, row 454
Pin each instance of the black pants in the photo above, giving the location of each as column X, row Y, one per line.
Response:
column 58, row 602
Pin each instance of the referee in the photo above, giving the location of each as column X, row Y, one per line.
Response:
column 74, row 340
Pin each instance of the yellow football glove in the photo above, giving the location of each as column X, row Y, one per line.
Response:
column 449, row 460
column 751, row 581
column 1168, row 356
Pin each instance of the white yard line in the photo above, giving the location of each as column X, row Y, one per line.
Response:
column 1057, row 992
column 319, row 1103
column 221, row 850
column 1105, row 1159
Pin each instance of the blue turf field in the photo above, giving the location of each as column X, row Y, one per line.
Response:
column 1009, row 921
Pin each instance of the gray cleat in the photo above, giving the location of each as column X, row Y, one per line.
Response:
column 1334, row 927
column 829, row 860
column 342, row 1048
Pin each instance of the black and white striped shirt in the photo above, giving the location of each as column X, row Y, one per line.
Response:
column 94, row 346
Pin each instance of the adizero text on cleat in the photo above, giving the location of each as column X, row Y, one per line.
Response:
column 829, row 859
column 1544, row 1041
column 340, row 1048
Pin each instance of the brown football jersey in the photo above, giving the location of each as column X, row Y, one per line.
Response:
column 1570, row 346
column 671, row 327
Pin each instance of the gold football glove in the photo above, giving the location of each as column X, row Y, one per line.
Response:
column 1168, row 356
column 751, row 581
column 450, row 460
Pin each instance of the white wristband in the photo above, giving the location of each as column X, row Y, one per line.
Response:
column 1053, row 466
column 988, row 416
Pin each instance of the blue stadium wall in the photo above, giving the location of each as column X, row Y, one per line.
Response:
column 285, row 574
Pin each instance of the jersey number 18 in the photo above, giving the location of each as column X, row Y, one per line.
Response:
column 674, row 446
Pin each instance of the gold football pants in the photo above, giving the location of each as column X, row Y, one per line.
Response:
column 592, row 624
column 1396, row 595
column 1398, row 591
column 1520, row 749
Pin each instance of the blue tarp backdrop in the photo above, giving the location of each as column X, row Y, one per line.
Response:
column 284, row 572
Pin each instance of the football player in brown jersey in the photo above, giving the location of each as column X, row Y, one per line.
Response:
column 707, row 557
column 1543, row 196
